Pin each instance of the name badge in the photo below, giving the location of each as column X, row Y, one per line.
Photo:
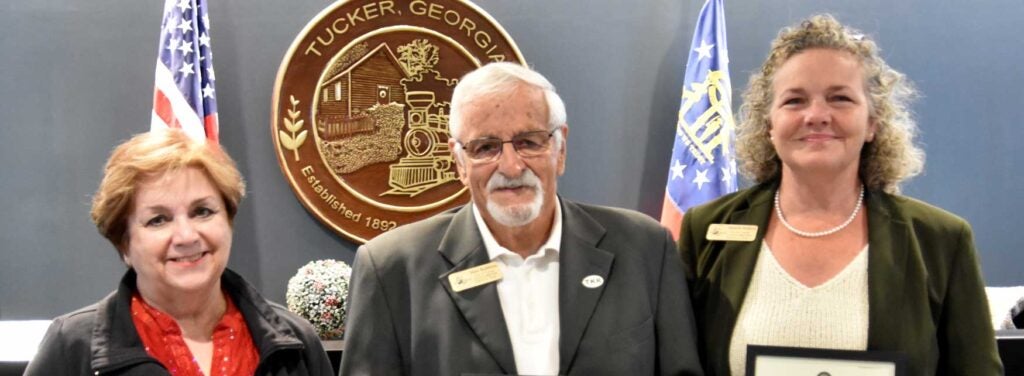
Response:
column 726, row 232
column 475, row 276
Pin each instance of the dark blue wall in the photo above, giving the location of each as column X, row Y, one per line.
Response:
column 77, row 78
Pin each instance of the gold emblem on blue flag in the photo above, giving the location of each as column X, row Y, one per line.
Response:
column 713, row 126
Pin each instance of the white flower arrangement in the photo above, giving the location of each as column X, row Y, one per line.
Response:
column 318, row 292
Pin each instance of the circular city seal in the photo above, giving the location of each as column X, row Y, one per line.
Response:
column 360, row 109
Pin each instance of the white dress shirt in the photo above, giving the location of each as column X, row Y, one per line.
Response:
column 529, row 298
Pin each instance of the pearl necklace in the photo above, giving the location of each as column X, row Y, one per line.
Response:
column 818, row 234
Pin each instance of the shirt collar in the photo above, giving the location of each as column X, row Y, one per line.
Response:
column 495, row 250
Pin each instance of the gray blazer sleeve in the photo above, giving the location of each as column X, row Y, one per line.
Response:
column 674, row 327
column 374, row 349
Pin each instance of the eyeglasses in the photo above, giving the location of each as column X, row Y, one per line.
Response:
column 526, row 144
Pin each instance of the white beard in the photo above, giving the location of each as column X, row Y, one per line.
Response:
column 516, row 215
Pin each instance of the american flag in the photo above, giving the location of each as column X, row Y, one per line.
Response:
column 702, row 166
column 184, row 91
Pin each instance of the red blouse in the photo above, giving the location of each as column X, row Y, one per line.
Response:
column 233, row 350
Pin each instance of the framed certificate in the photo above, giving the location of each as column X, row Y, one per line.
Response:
column 787, row 361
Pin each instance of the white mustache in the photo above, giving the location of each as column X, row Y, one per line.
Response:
column 527, row 179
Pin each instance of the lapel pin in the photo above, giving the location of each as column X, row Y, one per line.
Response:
column 593, row 281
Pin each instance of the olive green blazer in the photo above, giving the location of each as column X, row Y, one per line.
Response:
column 925, row 289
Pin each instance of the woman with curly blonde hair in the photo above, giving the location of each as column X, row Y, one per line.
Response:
column 840, row 260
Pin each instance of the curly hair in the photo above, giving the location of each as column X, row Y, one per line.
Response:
column 153, row 154
column 888, row 160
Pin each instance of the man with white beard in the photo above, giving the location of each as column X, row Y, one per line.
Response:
column 520, row 281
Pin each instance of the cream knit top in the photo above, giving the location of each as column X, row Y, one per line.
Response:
column 780, row 311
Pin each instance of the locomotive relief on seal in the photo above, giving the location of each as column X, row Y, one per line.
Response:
column 361, row 104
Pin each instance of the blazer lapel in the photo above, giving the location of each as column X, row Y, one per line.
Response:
column 888, row 248
column 734, row 270
column 480, row 306
column 579, row 258
column 739, row 258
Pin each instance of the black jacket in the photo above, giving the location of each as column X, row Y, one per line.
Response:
column 101, row 339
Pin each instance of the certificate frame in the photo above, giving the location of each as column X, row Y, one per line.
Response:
column 778, row 360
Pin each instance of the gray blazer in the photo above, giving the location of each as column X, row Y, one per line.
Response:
column 404, row 318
